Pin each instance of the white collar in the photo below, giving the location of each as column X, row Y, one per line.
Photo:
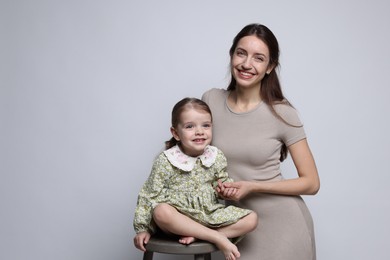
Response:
column 186, row 163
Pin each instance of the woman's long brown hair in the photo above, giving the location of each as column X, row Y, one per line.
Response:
column 270, row 92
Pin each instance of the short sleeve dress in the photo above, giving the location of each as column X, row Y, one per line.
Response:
column 252, row 142
column 187, row 183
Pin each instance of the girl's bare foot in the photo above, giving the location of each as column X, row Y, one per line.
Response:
column 229, row 250
column 187, row 240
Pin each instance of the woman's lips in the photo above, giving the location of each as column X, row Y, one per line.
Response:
column 245, row 74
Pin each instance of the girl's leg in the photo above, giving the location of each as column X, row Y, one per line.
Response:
column 172, row 221
column 241, row 227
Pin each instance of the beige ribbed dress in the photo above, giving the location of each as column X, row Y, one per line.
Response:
column 251, row 142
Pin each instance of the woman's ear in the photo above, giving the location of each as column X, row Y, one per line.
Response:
column 270, row 68
column 174, row 134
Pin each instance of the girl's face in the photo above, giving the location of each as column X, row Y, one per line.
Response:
column 194, row 131
column 250, row 62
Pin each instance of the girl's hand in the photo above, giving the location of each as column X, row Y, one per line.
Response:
column 224, row 192
column 141, row 239
column 234, row 190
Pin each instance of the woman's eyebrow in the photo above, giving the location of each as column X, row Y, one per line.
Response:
column 257, row 53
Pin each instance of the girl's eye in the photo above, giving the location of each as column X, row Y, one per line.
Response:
column 207, row 125
column 189, row 126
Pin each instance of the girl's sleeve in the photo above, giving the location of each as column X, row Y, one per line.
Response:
column 150, row 196
column 221, row 169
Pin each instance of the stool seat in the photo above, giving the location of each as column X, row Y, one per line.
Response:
column 200, row 249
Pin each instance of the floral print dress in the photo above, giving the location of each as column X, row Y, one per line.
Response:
column 187, row 183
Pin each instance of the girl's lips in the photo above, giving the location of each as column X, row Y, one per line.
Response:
column 200, row 140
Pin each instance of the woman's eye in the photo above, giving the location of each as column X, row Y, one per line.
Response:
column 240, row 53
column 259, row 58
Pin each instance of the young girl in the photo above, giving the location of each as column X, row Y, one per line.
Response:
column 179, row 196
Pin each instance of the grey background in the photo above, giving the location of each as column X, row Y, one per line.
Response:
column 86, row 90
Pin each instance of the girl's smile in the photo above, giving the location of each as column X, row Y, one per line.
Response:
column 194, row 131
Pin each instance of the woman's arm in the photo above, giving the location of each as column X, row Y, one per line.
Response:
column 307, row 182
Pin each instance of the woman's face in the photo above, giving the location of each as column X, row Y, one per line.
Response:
column 250, row 62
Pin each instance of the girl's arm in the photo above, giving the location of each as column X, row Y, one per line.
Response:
column 221, row 176
column 149, row 196
column 141, row 239
column 307, row 182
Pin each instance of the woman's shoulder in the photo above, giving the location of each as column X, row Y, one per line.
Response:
column 288, row 113
column 214, row 93
column 284, row 106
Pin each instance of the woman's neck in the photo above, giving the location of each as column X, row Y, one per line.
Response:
column 244, row 100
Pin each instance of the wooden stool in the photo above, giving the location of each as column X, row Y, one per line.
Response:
column 200, row 249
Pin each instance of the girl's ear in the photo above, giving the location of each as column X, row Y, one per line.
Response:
column 174, row 134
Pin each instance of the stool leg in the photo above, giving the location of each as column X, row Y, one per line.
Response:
column 202, row 257
column 148, row 255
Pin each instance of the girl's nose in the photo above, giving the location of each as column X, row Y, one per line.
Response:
column 199, row 130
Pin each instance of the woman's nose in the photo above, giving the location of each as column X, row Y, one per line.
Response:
column 247, row 64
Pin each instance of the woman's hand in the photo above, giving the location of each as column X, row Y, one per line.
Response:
column 141, row 239
column 234, row 190
column 225, row 192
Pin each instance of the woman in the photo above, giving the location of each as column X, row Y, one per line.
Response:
column 255, row 126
